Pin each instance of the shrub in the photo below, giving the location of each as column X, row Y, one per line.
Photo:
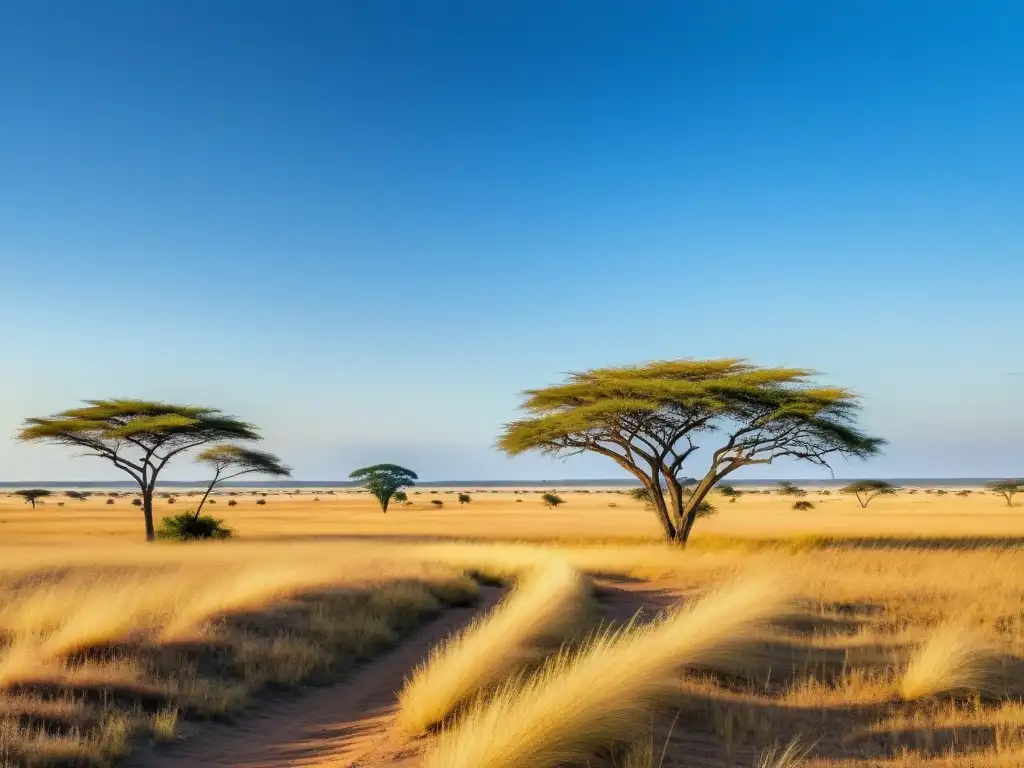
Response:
column 400, row 497
column 232, row 502
column 211, row 501
column 171, row 500
column 261, row 501
column 520, row 501
column 963, row 493
column 437, row 502
column 136, row 502
column 612, row 504
column 464, row 498
column 552, row 500
column 188, row 527
column 801, row 506
column 110, row 501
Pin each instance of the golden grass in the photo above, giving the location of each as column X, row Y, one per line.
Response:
column 548, row 604
column 953, row 660
column 602, row 693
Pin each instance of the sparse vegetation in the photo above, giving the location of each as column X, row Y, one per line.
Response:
column 384, row 480
column 552, row 500
column 1007, row 489
column 866, row 490
column 189, row 526
column 803, row 506
column 464, row 498
column 645, row 418
column 33, row 495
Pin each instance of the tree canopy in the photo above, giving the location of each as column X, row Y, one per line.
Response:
column 32, row 495
column 139, row 437
column 866, row 490
column 1007, row 489
column 647, row 419
column 228, row 460
column 383, row 480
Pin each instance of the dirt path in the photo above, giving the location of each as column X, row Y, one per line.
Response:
column 340, row 725
column 347, row 725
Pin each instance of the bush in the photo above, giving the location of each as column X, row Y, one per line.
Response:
column 261, row 501
column 188, row 527
column 171, row 499
column 963, row 493
column 136, row 502
column 110, row 501
column 232, row 503
column 552, row 500
column 801, row 506
column 520, row 501
column 211, row 501
column 437, row 502
column 464, row 498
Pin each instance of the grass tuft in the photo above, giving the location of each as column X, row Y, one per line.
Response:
column 953, row 660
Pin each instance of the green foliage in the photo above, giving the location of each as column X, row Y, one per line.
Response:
column 790, row 489
column 232, row 502
column 803, row 505
column 646, row 417
column 228, row 460
column 729, row 492
column 400, row 496
column 866, row 490
column 138, row 436
column 76, row 495
column 464, row 498
column 640, row 494
column 552, row 500
column 32, row 495
column 1007, row 489
column 189, row 527
column 383, row 480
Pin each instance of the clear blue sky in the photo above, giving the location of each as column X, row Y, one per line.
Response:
column 366, row 226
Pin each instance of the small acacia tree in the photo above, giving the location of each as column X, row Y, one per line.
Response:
column 384, row 480
column 647, row 419
column 866, row 490
column 32, row 495
column 228, row 461
column 787, row 488
column 464, row 498
column 139, row 437
column 1007, row 489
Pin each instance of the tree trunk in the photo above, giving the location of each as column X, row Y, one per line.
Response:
column 205, row 496
column 661, row 510
column 147, row 512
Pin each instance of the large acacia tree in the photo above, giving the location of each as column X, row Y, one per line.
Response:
column 139, row 437
column 384, row 481
column 648, row 419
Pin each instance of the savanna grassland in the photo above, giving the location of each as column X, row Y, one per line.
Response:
column 882, row 636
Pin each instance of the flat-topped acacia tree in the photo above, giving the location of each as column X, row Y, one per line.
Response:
column 228, row 461
column 139, row 437
column 32, row 495
column 1007, row 489
column 866, row 490
column 384, row 480
column 647, row 417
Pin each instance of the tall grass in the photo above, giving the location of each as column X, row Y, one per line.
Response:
column 549, row 603
column 602, row 693
column 953, row 660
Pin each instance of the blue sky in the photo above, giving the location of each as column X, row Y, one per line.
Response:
column 366, row 226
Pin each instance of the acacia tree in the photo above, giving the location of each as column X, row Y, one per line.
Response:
column 383, row 480
column 1007, row 488
column 228, row 461
column 647, row 418
column 32, row 495
column 139, row 437
column 866, row 490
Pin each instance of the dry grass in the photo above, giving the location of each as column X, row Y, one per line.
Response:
column 547, row 605
column 602, row 693
column 953, row 660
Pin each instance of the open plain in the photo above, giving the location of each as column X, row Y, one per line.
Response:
column 506, row 634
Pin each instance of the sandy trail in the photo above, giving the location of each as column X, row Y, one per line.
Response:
column 345, row 724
